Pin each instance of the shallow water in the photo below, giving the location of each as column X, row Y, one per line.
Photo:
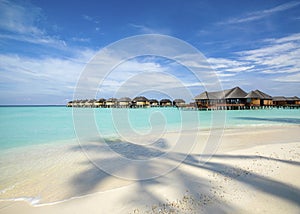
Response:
column 23, row 126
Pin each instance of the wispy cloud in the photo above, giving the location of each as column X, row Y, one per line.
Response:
column 277, row 60
column 94, row 20
column 48, row 77
column 19, row 22
column 145, row 29
column 229, row 65
column 294, row 78
column 277, row 56
column 253, row 16
column 80, row 39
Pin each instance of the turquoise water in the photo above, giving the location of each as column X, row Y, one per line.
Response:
column 23, row 126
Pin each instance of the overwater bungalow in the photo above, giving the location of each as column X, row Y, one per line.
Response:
column 281, row 101
column 179, row 103
column 111, row 102
column 100, row 103
column 227, row 99
column 165, row 102
column 140, row 101
column 153, row 103
column 124, row 102
column 230, row 99
column 70, row 104
column 293, row 100
column 75, row 103
column 258, row 98
column 90, row 103
column 82, row 103
column 265, row 99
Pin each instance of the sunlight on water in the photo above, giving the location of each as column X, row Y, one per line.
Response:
column 23, row 126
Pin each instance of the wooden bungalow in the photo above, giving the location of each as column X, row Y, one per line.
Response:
column 258, row 98
column 165, row 102
column 75, row 103
column 235, row 97
column 207, row 100
column 100, row 103
column 90, row 103
column 297, row 101
column 82, row 103
column 140, row 101
column 253, row 99
column 265, row 99
column 111, row 102
column 281, row 101
column 293, row 101
column 153, row 103
column 70, row 104
column 227, row 99
column 124, row 102
column 179, row 103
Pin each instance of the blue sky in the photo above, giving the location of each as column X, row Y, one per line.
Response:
column 45, row 45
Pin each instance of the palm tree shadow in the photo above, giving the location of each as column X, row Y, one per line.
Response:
column 197, row 186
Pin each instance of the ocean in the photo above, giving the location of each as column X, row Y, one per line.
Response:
column 25, row 126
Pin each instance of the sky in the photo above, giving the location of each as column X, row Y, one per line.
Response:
column 46, row 45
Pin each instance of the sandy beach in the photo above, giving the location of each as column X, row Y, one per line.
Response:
column 254, row 170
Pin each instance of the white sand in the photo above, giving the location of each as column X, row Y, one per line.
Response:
column 255, row 170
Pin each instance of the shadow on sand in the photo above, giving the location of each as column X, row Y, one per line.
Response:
column 199, row 187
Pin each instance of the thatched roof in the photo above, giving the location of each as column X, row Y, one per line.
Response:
column 140, row 99
column 263, row 95
column 165, row 101
column 210, row 95
column 292, row 98
column 279, row 98
column 282, row 98
column 236, row 92
column 178, row 101
column 101, row 100
column 202, row 96
column 153, row 101
column 124, row 99
column 253, row 95
column 112, row 100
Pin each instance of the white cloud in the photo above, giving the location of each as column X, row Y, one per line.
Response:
column 277, row 60
column 228, row 65
column 17, row 18
column 277, row 56
column 147, row 30
column 19, row 22
column 95, row 20
column 290, row 38
column 44, row 76
column 79, row 39
column 294, row 78
column 138, row 76
column 261, row 14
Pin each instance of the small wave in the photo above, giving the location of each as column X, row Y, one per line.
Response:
column 7, row 189
column 31, row 200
